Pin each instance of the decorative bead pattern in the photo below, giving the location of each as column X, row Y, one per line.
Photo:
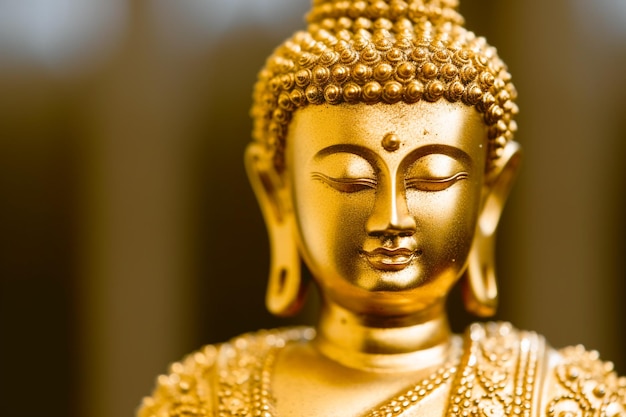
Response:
column 244, row 385
column 498, row 373
column 186, row 391
column 590, row 387
column 372, row 51
column 412, row 396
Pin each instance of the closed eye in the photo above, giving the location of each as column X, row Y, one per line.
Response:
column 435, row 184
column 346, row 185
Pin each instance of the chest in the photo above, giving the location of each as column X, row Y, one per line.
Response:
column 307, row 385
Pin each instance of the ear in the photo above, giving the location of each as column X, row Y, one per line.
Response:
column 285, row 292
column 480, row 289
column 498, row 185
column 267, row 184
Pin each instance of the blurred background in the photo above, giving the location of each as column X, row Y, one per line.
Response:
column 129, row 235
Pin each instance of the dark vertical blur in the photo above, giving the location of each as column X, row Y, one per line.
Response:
column 129, row 235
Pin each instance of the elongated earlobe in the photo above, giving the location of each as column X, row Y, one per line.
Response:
column 480, row 287
column 285, row 291
column 480, row 291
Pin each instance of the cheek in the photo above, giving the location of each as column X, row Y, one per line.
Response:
column 445, row 220
column 331, row 223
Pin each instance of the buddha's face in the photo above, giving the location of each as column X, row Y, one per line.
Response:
column 386, row 198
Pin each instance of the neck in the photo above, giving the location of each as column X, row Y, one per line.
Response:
column 385, row 344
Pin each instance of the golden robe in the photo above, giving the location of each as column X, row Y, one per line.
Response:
column 495, row 370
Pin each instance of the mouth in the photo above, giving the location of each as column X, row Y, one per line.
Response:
column 390, row 259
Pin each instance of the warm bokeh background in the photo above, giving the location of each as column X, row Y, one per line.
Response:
column 129, row 235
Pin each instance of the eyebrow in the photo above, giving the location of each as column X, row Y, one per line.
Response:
column 346, row 148
column 439, row 149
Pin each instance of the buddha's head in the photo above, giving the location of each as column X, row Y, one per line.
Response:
column 382, row 156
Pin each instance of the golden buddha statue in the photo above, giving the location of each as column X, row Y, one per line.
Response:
column 383, row 154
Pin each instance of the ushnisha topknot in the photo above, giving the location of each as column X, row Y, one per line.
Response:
column 383, row 51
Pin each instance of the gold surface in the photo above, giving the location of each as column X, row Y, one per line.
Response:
column 494, row 370
column 383, row 156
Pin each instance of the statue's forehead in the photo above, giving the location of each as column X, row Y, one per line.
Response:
column 454, row 124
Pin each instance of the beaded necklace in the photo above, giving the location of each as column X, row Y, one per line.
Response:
column 245, row 388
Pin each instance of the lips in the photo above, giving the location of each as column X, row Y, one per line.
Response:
column 390, row 259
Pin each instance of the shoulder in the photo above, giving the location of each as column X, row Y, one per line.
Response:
column 578, row 382
column 183, row 391
column 518, row 373
column 220, row 377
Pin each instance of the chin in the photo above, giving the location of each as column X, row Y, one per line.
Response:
column 405, row 279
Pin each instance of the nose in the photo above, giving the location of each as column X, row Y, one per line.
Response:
column 390, row 216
